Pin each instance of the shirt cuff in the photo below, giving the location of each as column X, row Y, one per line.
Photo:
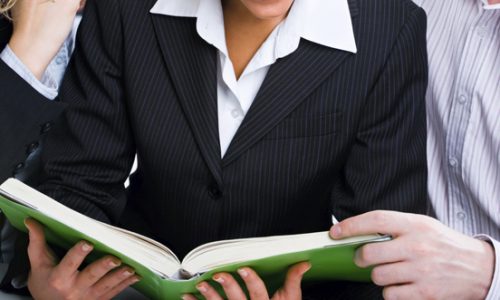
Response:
column 494, row 292
column 48, row 87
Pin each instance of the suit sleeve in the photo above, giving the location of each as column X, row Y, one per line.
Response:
column 88, row 158
column 387, row 167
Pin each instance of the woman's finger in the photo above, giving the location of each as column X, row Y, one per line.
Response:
column 208, row 291
column 256, row 287
column 39, row 254
column 294, row 276
column 72, row 260
column 97, row 272
column 117, row 289
column 230, row 285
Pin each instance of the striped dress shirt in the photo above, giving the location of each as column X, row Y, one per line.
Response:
column 463, row 110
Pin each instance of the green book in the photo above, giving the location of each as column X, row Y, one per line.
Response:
column 164, row 276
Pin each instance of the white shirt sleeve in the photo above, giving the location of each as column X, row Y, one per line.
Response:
column 494, row 293
column 48, row 86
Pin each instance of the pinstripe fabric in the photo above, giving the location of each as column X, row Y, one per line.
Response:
column 329, row 131
column 464, row 117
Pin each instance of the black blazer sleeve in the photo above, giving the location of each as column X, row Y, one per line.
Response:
column 95, row 127
column 387, row 168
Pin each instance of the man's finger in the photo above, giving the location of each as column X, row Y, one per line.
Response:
column 97, row 270
column 294, row 278
column 38, row 252
column 382, row 253
column 72, row 260
column 393, row 274
column 385, row 222
column 230, row 285
column 398, row 292
column 256, row 287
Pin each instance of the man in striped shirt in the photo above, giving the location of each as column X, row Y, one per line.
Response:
column 459, row 257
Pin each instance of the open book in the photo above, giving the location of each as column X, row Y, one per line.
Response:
column 164, row 276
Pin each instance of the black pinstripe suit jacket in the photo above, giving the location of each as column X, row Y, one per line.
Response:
column 329, row 131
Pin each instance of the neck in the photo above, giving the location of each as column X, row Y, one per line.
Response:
column 237, row 14
column 245, row 33
column 494, row 1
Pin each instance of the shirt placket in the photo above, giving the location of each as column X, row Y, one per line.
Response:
column 459, row 122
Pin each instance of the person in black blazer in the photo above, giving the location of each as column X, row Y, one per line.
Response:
column 329, row 132
column 25, row 115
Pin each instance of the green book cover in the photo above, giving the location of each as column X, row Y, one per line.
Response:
column 333, row 260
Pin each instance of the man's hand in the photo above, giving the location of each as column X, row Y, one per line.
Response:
column 256, row 288
column 40, row 28
column 103, row 279
column 425, row 259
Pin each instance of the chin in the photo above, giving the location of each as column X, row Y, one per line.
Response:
column 268, row 9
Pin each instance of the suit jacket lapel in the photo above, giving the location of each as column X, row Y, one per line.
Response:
column 289, row 81
column 192, row 64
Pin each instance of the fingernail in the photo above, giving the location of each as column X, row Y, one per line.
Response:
column 26, row 224
column 186, row 297
column 86, row 247
column 128, row 273
column 136, row 280
column 200, row 287
column 336, row 231
column 309, row 266
column 114, row 263
column 243, row 272
column 219, row 279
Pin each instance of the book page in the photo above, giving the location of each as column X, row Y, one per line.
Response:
column 216, row 254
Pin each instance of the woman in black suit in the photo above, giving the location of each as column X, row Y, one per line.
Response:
column 335, row 126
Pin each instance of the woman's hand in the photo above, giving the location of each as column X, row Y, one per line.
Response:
column 103, row 279
column 40, row 28
column 256, row 288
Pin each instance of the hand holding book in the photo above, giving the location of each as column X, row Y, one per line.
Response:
column 291, row 289
column 103, row 279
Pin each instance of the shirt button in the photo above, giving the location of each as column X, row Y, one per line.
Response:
column 46, row 127
column 32, row 147
column 481, row 32
column 235, row 113
column 59, row 60
column 19, row 166
column 453, row 162
column 461, row 215
column 462, row 99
